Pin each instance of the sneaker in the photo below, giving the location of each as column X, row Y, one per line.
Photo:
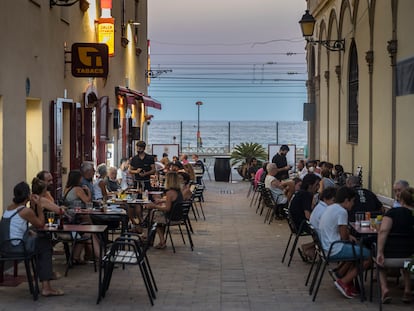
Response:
column 344, row 289
column 334, row 274
column 354, row 291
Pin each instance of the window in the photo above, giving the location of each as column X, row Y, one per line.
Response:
column 353, row 85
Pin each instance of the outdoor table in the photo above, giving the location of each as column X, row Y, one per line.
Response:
column 99, row 230
column 111, row 211
column 365, row 236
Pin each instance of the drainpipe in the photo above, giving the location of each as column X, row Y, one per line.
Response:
column 369, row 57
column 392, row 48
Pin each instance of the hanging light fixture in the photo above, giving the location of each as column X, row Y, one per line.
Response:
column 307, row 25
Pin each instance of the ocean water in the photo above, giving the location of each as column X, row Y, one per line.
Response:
column 225, row 134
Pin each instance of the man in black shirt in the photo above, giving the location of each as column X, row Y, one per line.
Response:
column 142, row 165
column 280, row 160
column 365, row 200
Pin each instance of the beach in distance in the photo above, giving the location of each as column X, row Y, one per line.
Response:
column 225, row 134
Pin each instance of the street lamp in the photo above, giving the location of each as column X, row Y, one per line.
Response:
column 199, row 103
column 307, row 25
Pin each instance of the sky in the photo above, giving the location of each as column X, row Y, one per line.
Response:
column 244, row 60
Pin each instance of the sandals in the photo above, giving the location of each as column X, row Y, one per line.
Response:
column 304, row 257
column 386, row 299
column 407, row 298
column 53, row 292
column 78, row 262
column 160, row 246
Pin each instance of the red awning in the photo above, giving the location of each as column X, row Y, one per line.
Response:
column 151, row 102
column 129, row 94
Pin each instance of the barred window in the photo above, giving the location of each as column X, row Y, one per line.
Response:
column 353, row 85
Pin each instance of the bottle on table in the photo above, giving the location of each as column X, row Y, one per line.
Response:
column 60, row 224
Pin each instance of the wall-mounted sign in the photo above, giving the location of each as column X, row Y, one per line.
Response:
column 106, row 33
column 90, row 60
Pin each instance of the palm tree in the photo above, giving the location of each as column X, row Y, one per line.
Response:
column 243, row 152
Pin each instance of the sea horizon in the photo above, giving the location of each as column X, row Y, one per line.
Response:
column 227, row 133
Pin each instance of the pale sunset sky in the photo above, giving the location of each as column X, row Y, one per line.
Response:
column 245, row 60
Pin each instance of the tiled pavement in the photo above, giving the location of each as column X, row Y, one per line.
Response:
column 236, row 265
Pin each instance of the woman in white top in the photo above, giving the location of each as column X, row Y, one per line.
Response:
column 18, row 226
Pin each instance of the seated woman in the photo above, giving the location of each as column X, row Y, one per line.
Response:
column 396, row 220
column 163, row 207
column 18, row 226
column 73, row 194
column 74, row 191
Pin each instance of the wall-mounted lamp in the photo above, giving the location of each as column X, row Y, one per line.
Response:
column 83, row 4
column 307, row 24
column 124, row 42
column 133, row 23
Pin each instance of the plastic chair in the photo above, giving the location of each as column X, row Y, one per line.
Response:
column 7, row 253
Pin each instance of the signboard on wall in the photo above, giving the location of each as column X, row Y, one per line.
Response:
column 290, row 157
column 90, row 60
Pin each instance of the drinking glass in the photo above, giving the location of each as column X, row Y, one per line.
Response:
column 50, row 218
column 89, row 206
column 358, row 218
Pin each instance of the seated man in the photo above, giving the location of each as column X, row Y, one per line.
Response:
column 300, row 209
column 333, row 227
column 302, row 202
column 276, row 188
column 326, row 198
column 365, row 200
column 398, row 187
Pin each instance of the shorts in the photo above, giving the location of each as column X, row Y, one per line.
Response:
column 347, row 252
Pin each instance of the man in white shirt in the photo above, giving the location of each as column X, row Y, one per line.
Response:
column 333, row 227
column 326, row 198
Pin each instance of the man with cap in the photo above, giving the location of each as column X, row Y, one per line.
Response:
column 142, row 165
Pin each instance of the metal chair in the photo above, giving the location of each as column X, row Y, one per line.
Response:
column 398, row 250
column 130, row 249
column 297, row 232
column 8, row 252
column 179, row 217
column 197, row 199
column 322, row 259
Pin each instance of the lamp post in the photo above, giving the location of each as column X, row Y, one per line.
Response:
column 199, row 103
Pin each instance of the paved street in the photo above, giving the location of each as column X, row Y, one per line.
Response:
column 236, row 265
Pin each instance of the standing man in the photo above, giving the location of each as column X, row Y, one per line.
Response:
column 142, row 165
column 281, row 162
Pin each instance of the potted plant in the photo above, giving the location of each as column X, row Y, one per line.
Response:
column 243, row 152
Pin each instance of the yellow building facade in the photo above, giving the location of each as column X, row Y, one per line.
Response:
column 50, row 119
column 363, row 95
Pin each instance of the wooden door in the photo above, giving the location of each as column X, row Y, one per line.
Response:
column 56, row 146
